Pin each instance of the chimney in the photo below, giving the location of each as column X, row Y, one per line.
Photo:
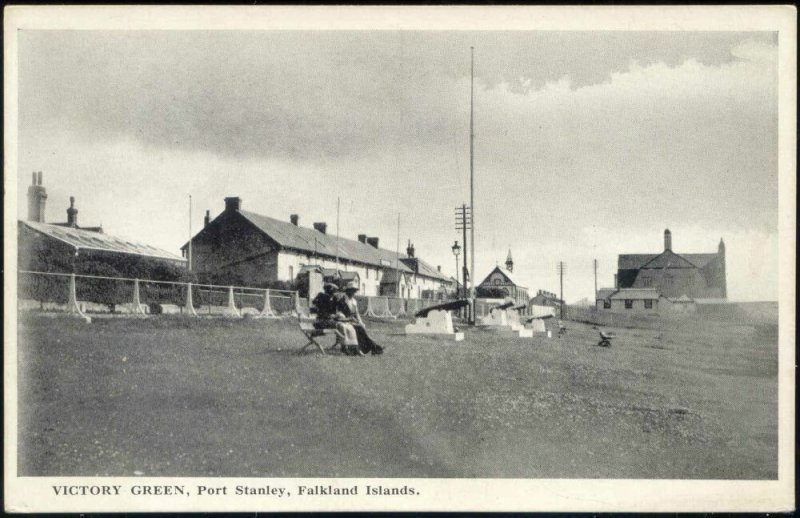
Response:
column 372, row 241
column 667, row 240
column 37, row 198
column 72, row 213
column 321, row 226
column 439, row 268
column 233, row 203
column 295, row 219
column 207, row 219
column 362, row 238
column 410, row 250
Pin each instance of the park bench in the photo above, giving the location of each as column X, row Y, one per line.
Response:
column 312, row 333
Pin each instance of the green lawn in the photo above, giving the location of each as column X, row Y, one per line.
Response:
column 170, row 396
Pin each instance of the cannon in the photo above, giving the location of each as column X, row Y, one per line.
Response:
column 437, row 321
column 447, row 306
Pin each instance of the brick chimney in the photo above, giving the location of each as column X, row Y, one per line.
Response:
column 667, row 240
column 410, row 249
column 233, row 203
column 373, row 242
column 295, row 219
column 321, row 227
column 37, row 198
column 362, row 238
column 207, row 219
column 72, row 213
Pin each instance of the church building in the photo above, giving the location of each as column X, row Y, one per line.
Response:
column 673, row 275
column 500, row 283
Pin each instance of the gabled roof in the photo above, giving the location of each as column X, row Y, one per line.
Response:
column 634, row 261
column 635, row 293
column 88, row 240
column 311, row 241
column 668, row 259
column 505, row 273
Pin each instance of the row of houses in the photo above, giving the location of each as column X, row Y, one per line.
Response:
column 236, row 247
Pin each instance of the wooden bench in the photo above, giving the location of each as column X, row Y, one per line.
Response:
column 312, row 333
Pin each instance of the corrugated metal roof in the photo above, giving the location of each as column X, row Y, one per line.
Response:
column 635, row 293
column 310, row 240
column 87, row 240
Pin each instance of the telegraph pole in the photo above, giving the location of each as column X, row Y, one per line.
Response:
column 464, row 223
column 562, row 268
column 190, row 234
column 595, row 281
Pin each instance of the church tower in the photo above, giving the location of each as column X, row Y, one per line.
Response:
column 509, row 262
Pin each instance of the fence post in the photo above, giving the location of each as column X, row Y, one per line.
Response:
column 138, row 307
column 231, row 310
column 189, row 303
column 266, row 311
column 73, row 300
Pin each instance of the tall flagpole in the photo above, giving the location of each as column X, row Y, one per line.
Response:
column 471, row 180
column 190, row 233
column 337, row 235
column 397, row 259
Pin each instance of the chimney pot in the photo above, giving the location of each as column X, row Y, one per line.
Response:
column 410, row 249
column 207, row 219
column 40, row 178
column 33, row 182
column 321, row 227
column 37, row 198
column 72, row 213
column 362, row 238
column 373, row 242
column 233, row 203
column 295, row 219
column 667, row 240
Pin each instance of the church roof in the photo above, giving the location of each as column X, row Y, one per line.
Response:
column 503, row 272
column 668, row 259
column 87, row 240
column 636, row 261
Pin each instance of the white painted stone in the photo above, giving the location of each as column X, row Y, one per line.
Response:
column 494, row 318
column 525, row 333
column 438, row 323
column 536, row 325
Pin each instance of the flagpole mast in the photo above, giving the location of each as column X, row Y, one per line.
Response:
column 337, row 235
column 190, row 233
column 472, row 180
column 397, row 258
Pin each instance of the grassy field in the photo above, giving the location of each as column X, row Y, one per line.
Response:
column 166, row 396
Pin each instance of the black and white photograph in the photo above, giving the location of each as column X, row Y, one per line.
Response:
column 274, row 259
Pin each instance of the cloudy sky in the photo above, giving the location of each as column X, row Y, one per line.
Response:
column 587, row 144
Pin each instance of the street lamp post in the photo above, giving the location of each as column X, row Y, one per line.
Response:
column 456, row 252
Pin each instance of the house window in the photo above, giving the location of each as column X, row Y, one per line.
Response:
column 648, row 304
column 606, row 304
column 628, row 304
column 647, row 282
column 668, row 280
column 497, row 282
column 291, row 273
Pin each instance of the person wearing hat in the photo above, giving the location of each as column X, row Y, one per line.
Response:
column 349, row 327
column 324, row 305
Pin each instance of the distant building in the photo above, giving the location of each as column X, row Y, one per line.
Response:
column 254, row 250
column 696, row 276
column 546, row 298
column 59, row 246
column 500, row 283
column 629, row 299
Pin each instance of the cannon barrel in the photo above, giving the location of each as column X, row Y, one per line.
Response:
column 519, row 307
column 543, row 317
column 504, row 305
column 447, row 306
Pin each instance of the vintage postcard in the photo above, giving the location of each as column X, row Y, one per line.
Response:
column 399, row 258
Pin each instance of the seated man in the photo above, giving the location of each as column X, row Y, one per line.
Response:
column 350, row 329
column 324, row 306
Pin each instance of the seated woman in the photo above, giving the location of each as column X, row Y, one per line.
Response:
column 350, row 329
column 324, row 306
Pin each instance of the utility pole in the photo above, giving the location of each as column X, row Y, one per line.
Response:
column 595, row 281
column 464, row 223
column 562, row 268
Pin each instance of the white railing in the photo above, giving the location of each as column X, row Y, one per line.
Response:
column 82, row 294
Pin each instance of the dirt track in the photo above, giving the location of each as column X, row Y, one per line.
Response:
column 174, row 397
